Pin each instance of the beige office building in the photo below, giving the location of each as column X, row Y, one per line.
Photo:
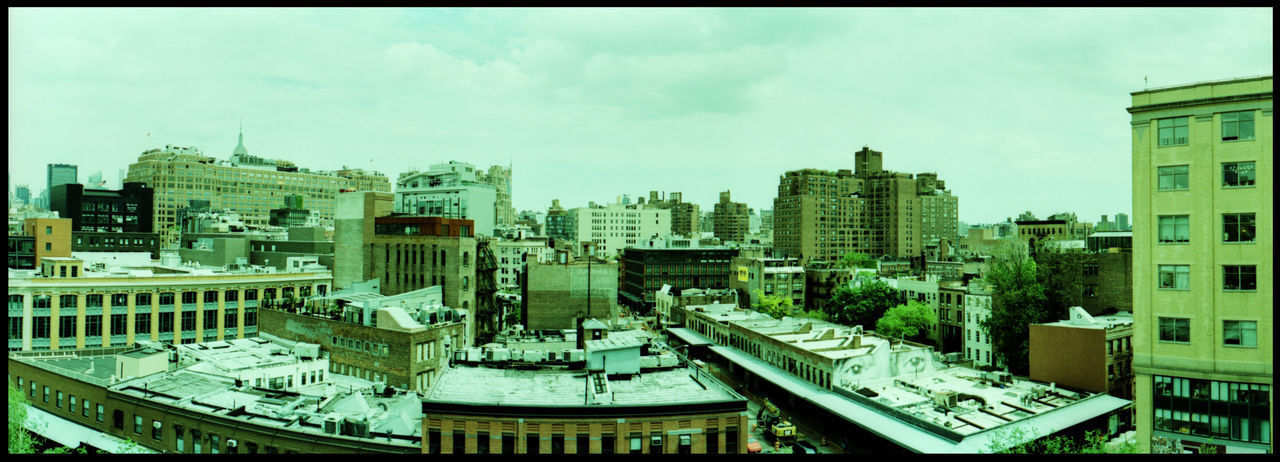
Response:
column 249, row 185
column 1202, row 265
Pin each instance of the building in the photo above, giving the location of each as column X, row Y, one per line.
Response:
column 1107, row 282
column 1041, row 229
column 881, row 393
column 59, row 174
column 451, row 190
column 977, row 338
column 666, row 406
column 1120, row 241
column 772, row 277
column 403, row 340
column 51, row 237
column 500, row 178
column 230, row 250
column 1085, row 352
column 22, row 193
column 293, row 213
column 561, row 293
column 22, row 252
column 1202, row 265
column 243, row 396
column 668, row 300
column 730, row 219
column 561, row 224
column 951, row 315
column 924, row 291
column 617, row 226
column 88, row 308
column 511, row 256
column 684, row 215
column 642, row 271
column 246, row 184
column 404, row 252
column 108, row 221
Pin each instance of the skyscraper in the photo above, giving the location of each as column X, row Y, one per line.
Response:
column 730, row 219
column 1202, row 265
column 61, row 174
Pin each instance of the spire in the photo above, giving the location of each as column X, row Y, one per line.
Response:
column 240, row 150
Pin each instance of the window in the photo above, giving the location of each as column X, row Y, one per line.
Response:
column 1175, row 330
column 157, row 430
column 482, row 442
column 655, row 443
column 531, row 443
column 1175, row 277
column 188, row 298
column 557, row 443
column 142, row 323
column 508, row 443
column 1238, row 227
column 188, row 321
column 1237, row 126
column 1237, row 174
column 166, row 298
column 84, row 407
column 93, row 300
column 1239, row 277
column 1173, row 178
column 713, row 441
column 1175, row 229
column 119, row 324
column 101, row 411
column 1240, row 333
column 213, row 443
column 66, row 326
column 166, row 322
column 117, row 417
column 48, row 230
column 210, row 317
column 178, row 435
column 59, row 399
column 1173, row 131
column 637, row 444
column 48, row 246
column 137, row 424
column 433, row 441
column 607, row 443
column 72, row 407
column 583, row 442
column 731, row 440
column 211, row 296
column 142, row 300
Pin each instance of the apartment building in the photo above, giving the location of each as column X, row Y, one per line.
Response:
column 977, row 338
column 561, row 224
column 951, row 316
column 451, row 190
column 617, row 226
column 511, row 256
column 684, row 215
column 817, row 215
column 66, row 306
column 642, row 271
column 249, row 185
column 730, row 219
column 500, row 178
column 1203, row 265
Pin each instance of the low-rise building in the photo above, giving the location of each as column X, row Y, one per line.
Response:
column 511, row 256
column 951, row 317
column 559, row 294
column 977, row 312
column 1093, row 353
column 161, row 302
column 239, row 396
column 645, row 270
column 667, row 300
column 772, row 277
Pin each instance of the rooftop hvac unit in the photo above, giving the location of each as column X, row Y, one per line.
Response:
column 331, row 423
column 357, row 427
column 947, row 399
column 231, row 443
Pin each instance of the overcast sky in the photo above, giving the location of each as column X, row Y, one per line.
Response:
column 1016, row 109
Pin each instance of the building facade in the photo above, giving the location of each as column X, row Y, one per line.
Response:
column 977, row 312
column 1202, row 264
column 59, row 174
column 51, row 237
column 951, row 317
column 642, row 271
column 245, row 184
column 108, row 221
column 771, row 277
column 500, row 178
column 511, row 256
column 1085, row 352
column 731, row 220
column 617, row 226
column 450, row 190
column 563, row 292
column 561, row 224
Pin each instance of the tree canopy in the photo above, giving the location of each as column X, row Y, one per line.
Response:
column 1018, row 300
column 856, row 260
column 773, row 305
column 910, row 321
column 862, row 306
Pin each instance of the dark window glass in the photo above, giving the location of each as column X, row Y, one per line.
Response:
column 584, row 443
column 93, row 300
column 93, row 325
column 166, row 322
column 142, row 300
column 211, row 296
column 433, row 441
column 1238, row 227
column 459, row 442
column 482, row 442
column 1175, row 329
column 188, row 321
column 1240, row 277
column 188, row 298
column 531, row 444
column 166, row 298
column 119, row 324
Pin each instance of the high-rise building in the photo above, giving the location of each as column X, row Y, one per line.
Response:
column 22, row 193
column 449, row 190
column 1122, row 222
column 731, row 219
column 1202, row 265
column 248, row 185
column 500, row 178
column 817, row 215
column 684, row 215
column 561, row 224
column 60, row 174
column 766, row 220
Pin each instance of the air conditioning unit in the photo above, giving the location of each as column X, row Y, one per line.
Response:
column 332, row 423
column 231, row 443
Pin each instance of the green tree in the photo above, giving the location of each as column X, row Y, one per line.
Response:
column 20, row 441
column 773, row 305
column 856, row 260
column 1059, row 272
column 909, row 321
column 1093, row 442
column 862, row 306
column 1018, row 300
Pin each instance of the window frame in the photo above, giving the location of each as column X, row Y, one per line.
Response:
column 1176, row 326
column 1173, row 124
column 1175, row 222
column 1239, row 275
column 1173, row 174
column 1160, row 271
column 1239, row 221
column 1253, row 174
column 1240, row 332
column 1238, row 123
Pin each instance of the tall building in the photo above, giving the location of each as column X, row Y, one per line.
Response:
column 904, row 213
column 731, row 220
column 766, row 220
column 500, row 178
column 616, row 226
column 450, row 190
column 22, row 193
column 684, row 215
column 405, row 253
column 246, row 184
column 1122, row 222
column 818, row 215
column 1202, row 265
column 60, row 174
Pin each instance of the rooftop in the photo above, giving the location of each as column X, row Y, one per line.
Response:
column 568, row 388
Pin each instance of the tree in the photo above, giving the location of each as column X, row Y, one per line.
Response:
column 909, row 321
column 1093, row 442
column 857, row 260
column 1018, row 300
column 773, row 305
column 1059, row 272
column 862, row 306
column 20, row 442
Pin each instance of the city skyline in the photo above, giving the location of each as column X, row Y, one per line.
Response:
column 588, row 105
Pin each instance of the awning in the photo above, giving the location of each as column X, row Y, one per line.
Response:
column 72, row 435
column 688, row 336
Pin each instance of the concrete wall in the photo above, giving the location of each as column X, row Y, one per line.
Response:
column 557, row 294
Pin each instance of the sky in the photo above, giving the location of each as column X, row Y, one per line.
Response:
column 1015, row 109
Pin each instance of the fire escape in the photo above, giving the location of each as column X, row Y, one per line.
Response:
column 488, row 314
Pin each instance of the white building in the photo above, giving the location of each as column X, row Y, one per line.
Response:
column 511, row 256
column 616, row 226
column 450, row 190
column 977, row 311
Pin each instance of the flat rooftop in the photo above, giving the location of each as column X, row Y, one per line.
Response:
column 567, row 388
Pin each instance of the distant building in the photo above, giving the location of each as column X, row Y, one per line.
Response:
column 511, row 256
column 60, row 174
column 951, row 316
column 1203, row 196
column 560, row 223
column 821, row 282
column 977, row 338
column 772, row 277
column 22, row 193
column 561, row 293
column 239, row 249
column 617, row 226
column 1121, row 241
column 453, row 190
column 51, row 237
column 731, row 219
column 292, row 214
column 500, row 178
column 1107, row 282
column 668, row 301
column 645, row 270
column 109, row 221
column 684, row 215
